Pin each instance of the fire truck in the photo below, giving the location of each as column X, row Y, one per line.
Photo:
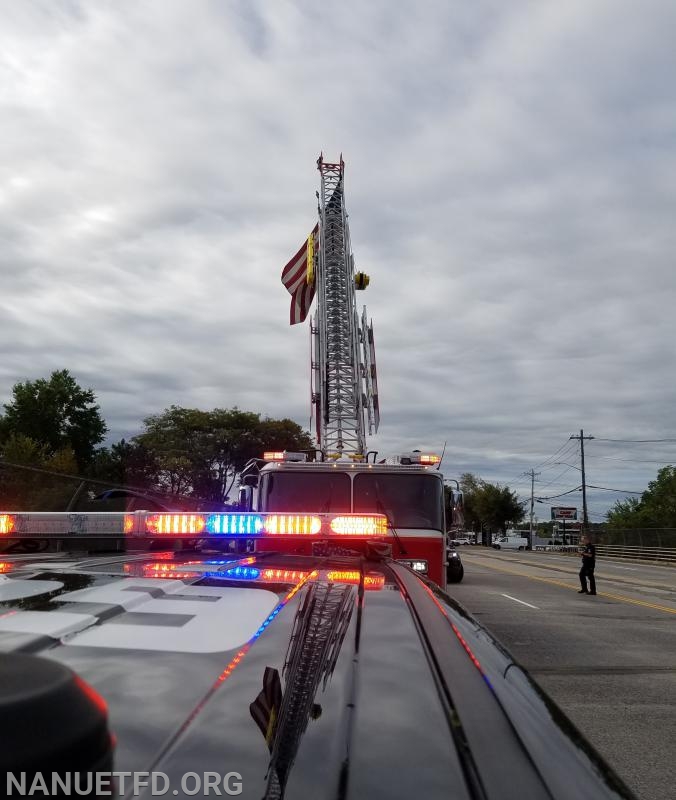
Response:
column 408, row 494
column 343, row 476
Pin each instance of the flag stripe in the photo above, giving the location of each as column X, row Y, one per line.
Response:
column 294, row 278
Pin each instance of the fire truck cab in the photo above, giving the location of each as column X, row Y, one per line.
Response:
column 408, row 491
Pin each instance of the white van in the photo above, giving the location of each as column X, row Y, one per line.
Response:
column 511, row 543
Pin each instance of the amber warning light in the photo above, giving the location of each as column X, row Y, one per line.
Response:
column 6, row 523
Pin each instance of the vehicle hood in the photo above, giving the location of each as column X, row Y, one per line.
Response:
column 323, row 677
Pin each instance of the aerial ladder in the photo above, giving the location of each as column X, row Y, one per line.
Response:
column 344, row 382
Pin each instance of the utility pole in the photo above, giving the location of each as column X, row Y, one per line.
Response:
column 585, row 519
column 532, row 501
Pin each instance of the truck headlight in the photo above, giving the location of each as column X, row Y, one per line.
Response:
column 416, row 564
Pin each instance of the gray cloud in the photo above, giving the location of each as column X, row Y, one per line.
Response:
column 510, row 181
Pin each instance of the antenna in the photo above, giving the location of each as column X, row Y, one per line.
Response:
column 442, row 455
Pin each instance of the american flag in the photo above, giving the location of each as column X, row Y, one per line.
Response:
column 295, row 279
column 265, row 708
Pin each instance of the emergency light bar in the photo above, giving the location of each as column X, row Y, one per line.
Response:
column 145, row 524
column 415, row 458
column 283, row 455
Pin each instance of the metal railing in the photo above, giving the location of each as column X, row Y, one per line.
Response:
column 641, row 544
column 662, row 554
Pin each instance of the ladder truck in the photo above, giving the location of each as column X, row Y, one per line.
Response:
column 343, row 476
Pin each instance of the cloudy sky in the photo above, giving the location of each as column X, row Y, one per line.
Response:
column 510, row 179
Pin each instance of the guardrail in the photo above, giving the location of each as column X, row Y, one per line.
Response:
column 665, row 555
column 662, row 554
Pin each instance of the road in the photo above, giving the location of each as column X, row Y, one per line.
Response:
column 608, row 661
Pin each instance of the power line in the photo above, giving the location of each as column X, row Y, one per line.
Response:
column 553, row 496
column 606, row 489
column 560, row 463
column 631, row 460
column 634, row 441
column 545, row 485
column 553, row 455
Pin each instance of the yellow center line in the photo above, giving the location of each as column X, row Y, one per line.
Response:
column 619, row 597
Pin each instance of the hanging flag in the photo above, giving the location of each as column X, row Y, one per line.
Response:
column 265, row 708
column 298, row 276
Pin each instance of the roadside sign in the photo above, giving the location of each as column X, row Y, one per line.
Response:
column 562, row 512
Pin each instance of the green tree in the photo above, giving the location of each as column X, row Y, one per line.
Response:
column 497, row 505
column 26, row 482
column 125, row 464
column 57, row 414
column 655, row 509
column 488, row 504
column 470, row 485
column 201, row 453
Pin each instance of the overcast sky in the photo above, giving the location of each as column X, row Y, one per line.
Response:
column 510, row 180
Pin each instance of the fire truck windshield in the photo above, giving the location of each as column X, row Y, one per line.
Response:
column 321, row 493
column 409, row 501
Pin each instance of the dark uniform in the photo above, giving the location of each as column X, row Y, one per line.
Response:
column 587, row 570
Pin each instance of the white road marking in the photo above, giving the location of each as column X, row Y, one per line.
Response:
column 523, row 602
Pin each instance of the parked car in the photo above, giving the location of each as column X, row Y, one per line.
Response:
column 457, row 539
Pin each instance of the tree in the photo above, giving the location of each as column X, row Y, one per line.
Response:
column 488, row 504
column 125, row 464
column 56, row 414
column 27, row 482
column 497, row 505
column 470, row 485
column 201, row 453
column 655, row 509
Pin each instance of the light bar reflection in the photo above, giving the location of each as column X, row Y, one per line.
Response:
column 284, row 575
column 160, row 569
column 372, row 580
column 240, row 573
column 193, row 570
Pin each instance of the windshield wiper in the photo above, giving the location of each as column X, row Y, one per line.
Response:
column 380, row 507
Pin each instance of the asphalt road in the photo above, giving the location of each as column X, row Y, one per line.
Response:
column 608, row 661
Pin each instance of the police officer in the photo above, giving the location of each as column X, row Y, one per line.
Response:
column 587, row 569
